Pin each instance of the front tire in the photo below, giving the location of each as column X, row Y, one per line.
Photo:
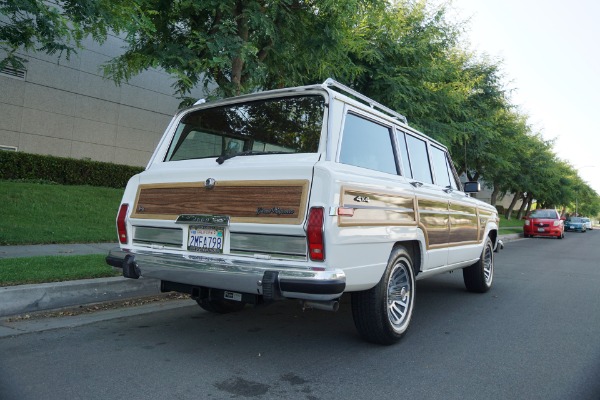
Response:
column 479, row 276
column 382, row 314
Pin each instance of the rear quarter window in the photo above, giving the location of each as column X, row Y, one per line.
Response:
column 367, row 144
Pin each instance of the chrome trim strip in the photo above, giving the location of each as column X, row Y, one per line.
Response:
column 395, row 209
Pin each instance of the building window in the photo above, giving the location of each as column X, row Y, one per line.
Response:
column 8, row 148
column 13, row 73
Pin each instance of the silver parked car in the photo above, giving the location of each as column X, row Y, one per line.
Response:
column 587, row 222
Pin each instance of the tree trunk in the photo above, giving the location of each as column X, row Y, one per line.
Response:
column 473, row 177
column 494, row 195
column 529, row 202
column 518, row 195
column 237, row 63
column 522, row 208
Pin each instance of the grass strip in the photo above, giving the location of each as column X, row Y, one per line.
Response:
column 508, row 226
column 37, row 213
column 21, row 271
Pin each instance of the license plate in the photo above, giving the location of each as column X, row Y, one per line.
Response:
column 232, row 296
column 206, row 239
column 540, row 229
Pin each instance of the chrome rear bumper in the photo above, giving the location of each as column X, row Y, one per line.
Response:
column 258, row 277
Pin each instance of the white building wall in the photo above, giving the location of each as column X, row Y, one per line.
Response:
column 65, row 108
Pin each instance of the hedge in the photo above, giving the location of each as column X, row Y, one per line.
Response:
column 64, row 171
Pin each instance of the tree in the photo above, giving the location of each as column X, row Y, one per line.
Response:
column 57, row 27
column 238, row 46
column 404, row 54
column 504, row 171
column 535, row 156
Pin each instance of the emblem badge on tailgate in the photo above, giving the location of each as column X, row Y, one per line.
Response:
column 210, row 183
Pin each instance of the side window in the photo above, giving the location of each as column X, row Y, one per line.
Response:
column 404, row 154
column 368, row 145
column 440, row 167
column 419, row 160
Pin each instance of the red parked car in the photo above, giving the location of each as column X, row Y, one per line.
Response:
column 544, row 222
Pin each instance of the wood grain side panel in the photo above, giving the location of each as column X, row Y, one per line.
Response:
column 376, row 209
column 256, row 201
column 434, row 220
column 463, row 223
column 484, row 218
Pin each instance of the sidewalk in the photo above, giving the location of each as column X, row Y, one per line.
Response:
column 36, row 250
column 48, row 296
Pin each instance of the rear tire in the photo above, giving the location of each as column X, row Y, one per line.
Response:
column 220, row 306
column 382, row 314
column 479, row 276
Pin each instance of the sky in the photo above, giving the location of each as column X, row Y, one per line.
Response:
column 550, row 52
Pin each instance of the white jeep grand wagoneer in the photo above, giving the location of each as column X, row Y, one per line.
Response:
column 304, row 193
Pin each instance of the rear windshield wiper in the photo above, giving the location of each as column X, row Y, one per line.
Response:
column 221, row 159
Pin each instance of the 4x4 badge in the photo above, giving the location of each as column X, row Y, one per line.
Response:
column 361, row 199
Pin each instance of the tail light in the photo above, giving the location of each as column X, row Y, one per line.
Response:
column 121, row 223
column 314, row 234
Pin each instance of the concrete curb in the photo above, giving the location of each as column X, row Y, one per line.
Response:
column 511, row 236
column 47, row 296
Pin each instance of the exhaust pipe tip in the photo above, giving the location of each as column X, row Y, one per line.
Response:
column 332, row 305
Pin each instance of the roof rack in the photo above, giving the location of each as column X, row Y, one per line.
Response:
column 370, row 102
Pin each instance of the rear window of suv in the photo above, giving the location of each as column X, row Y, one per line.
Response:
column 548, row 214
column 279, row 125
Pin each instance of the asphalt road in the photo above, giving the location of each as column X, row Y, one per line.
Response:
column 535, row 335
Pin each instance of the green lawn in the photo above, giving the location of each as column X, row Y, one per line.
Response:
column 20, row 271
column 510, row 226
column 35, row 213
